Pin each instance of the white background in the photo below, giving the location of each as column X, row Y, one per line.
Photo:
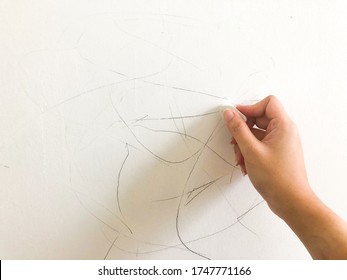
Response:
column 80, row 79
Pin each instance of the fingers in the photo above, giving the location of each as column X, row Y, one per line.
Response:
column 261, row 122
column 239, row 160
column 238, row 155
column 270, row 107
column 246, row 137
column 258, row 133
column 241, row 132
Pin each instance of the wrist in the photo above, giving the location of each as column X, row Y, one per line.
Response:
column 294, row 203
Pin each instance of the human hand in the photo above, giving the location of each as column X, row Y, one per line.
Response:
column 268, row 148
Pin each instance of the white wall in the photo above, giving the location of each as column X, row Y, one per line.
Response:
column 110, row 131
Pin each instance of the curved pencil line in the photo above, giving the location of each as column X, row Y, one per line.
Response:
column 196, row 188
column 128, row 79
column 154, row 45
column 77, row 193
column 180, row 202
column 227, row 227
column 144, row 146
column 167, row 247
column 189, row 136
column 177, row 128
column 118, row 179
column 184, row 89
column 145, row 118
column 190, row 200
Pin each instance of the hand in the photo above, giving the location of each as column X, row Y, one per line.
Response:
column 268, row 148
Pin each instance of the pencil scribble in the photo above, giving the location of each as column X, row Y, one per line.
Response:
column 171, row 157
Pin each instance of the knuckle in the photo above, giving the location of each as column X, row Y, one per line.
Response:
column 289, row 125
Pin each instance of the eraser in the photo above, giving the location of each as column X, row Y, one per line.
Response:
column 231, row 107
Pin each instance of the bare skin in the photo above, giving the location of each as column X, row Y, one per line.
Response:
column 268, row 149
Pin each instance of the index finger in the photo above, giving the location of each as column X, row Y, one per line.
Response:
column 270, row 107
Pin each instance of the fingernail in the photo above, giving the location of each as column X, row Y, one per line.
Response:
column 228, row 115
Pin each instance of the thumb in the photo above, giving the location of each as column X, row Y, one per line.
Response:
column 238, row 128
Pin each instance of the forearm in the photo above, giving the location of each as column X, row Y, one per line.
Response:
column 271, row 153
column 323, row 233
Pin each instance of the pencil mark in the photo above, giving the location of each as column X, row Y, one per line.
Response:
column 174, row 121
column 144, row 146
column 118, row 179
column 191, row 195
column 129, row 145
column 198, row 155
column 231, row 175
column 253, row 205
column 184, row 89
column 249, row 210
column 155, row 45
column 228, row 202
column 199, row 192
column 229, row 226
column 247, row 228
column 191, row 191
column 77, row 193
column 180, row 202
column 108, row 85
column 128, row 77
column 178, row 245
column 145, row 118
column 4, row 166
column 191, row 137
column 140, row 119
column 180, row 114
column 182, row 122
column 93, row 140
column 96, row 217
column 219, row 231
column 162, row 246
column 109, row 249
column 178, row 130
column 82, row 94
